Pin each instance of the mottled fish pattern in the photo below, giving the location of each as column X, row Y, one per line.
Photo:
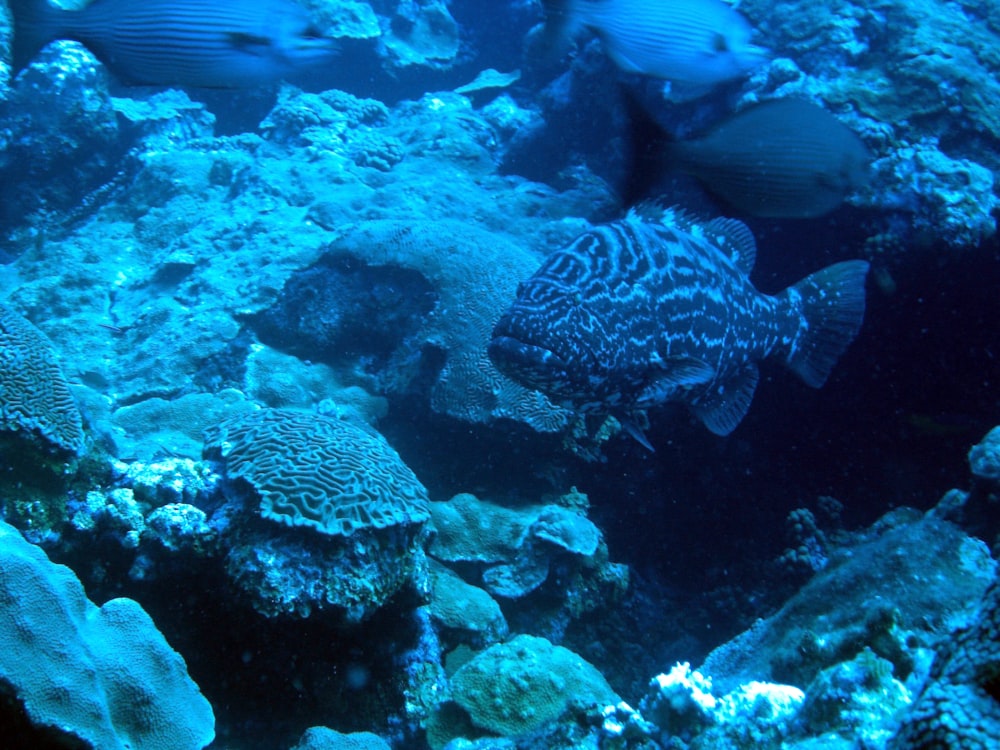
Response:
column 659, row 308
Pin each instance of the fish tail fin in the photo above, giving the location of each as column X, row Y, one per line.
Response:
column 562, row 23
column 36, row 23
column 648, row 149
column 832, row 305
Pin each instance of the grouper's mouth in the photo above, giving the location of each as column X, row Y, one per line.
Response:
column 531, row 365
column 521, row 354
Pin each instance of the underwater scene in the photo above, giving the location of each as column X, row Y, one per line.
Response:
column 499, row 374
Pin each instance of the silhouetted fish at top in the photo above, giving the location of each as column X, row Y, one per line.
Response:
column 701, row 42
column 659, row 308
column 782, row 158
column 200, row 43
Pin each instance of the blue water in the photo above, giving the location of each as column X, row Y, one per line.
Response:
column 194, row 257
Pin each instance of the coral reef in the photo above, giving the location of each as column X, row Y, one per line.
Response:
column 464, row 613
column 150, row 427
column 310, row 470
column 62, row 137
column 256, row 350
column 680, row 706
column 361, row 508
column 101, row 678
column 323, row 738
column 516, row 687
column 516, row 549
column 471, row 272
column 912, row 78
column 858, row 699
column 984, row 457
column 421, row 32
column 34, row 394
column 959, row 706
column 149, row 298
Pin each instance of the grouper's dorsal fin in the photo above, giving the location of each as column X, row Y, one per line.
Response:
column 659, row 211
column 735, row 239
column 721, row 409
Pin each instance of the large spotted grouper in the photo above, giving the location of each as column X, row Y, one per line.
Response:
column 658, row 308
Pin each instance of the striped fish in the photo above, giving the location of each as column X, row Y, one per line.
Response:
column 700, row 42
column 658, row 308
column 199, row 43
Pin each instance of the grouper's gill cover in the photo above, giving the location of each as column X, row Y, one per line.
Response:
column 658, row 308
column 701, row 42
column 201, row 43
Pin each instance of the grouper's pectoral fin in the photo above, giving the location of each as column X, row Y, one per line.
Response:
column 721, row 409
column 671, row 374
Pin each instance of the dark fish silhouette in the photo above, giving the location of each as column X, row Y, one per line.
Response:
column 658, row 308
column 200, row 43
column 782, row 158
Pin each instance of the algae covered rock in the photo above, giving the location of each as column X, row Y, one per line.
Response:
column 519, row 686
column 874, row 594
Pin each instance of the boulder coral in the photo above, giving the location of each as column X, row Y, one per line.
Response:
column 517, row 687
column 102, row 678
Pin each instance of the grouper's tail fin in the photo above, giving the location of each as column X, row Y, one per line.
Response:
column 36, row 23
column 832, row 305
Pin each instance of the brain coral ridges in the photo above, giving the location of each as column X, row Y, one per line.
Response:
column 34, row 394
column 317, row 471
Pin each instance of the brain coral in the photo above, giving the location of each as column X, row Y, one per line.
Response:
column 519, row 686
column 475, row 274
column 93, row 677
column 33, row 392
column 312, row 470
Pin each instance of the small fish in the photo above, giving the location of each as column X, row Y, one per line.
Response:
column 782, row 158
column 198, row 43
column 699, row 42
column 658, row 308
